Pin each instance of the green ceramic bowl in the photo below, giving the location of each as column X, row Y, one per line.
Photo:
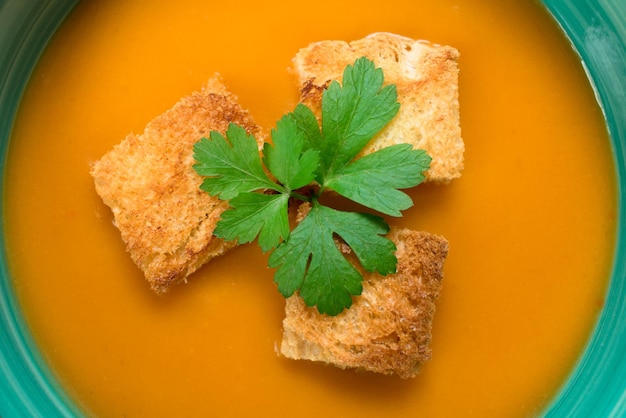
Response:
column 597, row 386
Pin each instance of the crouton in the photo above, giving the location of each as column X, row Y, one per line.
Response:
column 149, row 183
column 426, row 77
column 388, row 327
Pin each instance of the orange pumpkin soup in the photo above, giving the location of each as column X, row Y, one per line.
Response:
column 531, row 221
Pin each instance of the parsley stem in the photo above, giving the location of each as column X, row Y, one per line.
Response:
column 300, row 196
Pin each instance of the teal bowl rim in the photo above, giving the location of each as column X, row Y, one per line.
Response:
column 597, row 385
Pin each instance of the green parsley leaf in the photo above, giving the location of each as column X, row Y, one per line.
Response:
column 253, row 214
column 292, row 166
column 311, row 261
column 305, row 154
column 308, row 126
column 231, row 165
column 354, row 112
column 373, row 180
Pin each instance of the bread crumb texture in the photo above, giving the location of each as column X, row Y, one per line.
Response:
column 426, row 77
column 388, row 328
column 149, row 183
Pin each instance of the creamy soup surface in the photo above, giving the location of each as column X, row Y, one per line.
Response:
column 531, row 222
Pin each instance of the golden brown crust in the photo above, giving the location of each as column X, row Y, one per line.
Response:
column 426, row 77
column 149, row 182
column 388, row 328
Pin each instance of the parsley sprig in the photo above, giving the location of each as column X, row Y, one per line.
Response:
column 303, row 154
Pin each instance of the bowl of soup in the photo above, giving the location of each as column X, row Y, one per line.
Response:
column 530, row 321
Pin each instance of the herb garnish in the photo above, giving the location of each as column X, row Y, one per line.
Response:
column 307, row 259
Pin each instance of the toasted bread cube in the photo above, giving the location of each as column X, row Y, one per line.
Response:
column 426, row 78
column 149, row 183
column 388, row 327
